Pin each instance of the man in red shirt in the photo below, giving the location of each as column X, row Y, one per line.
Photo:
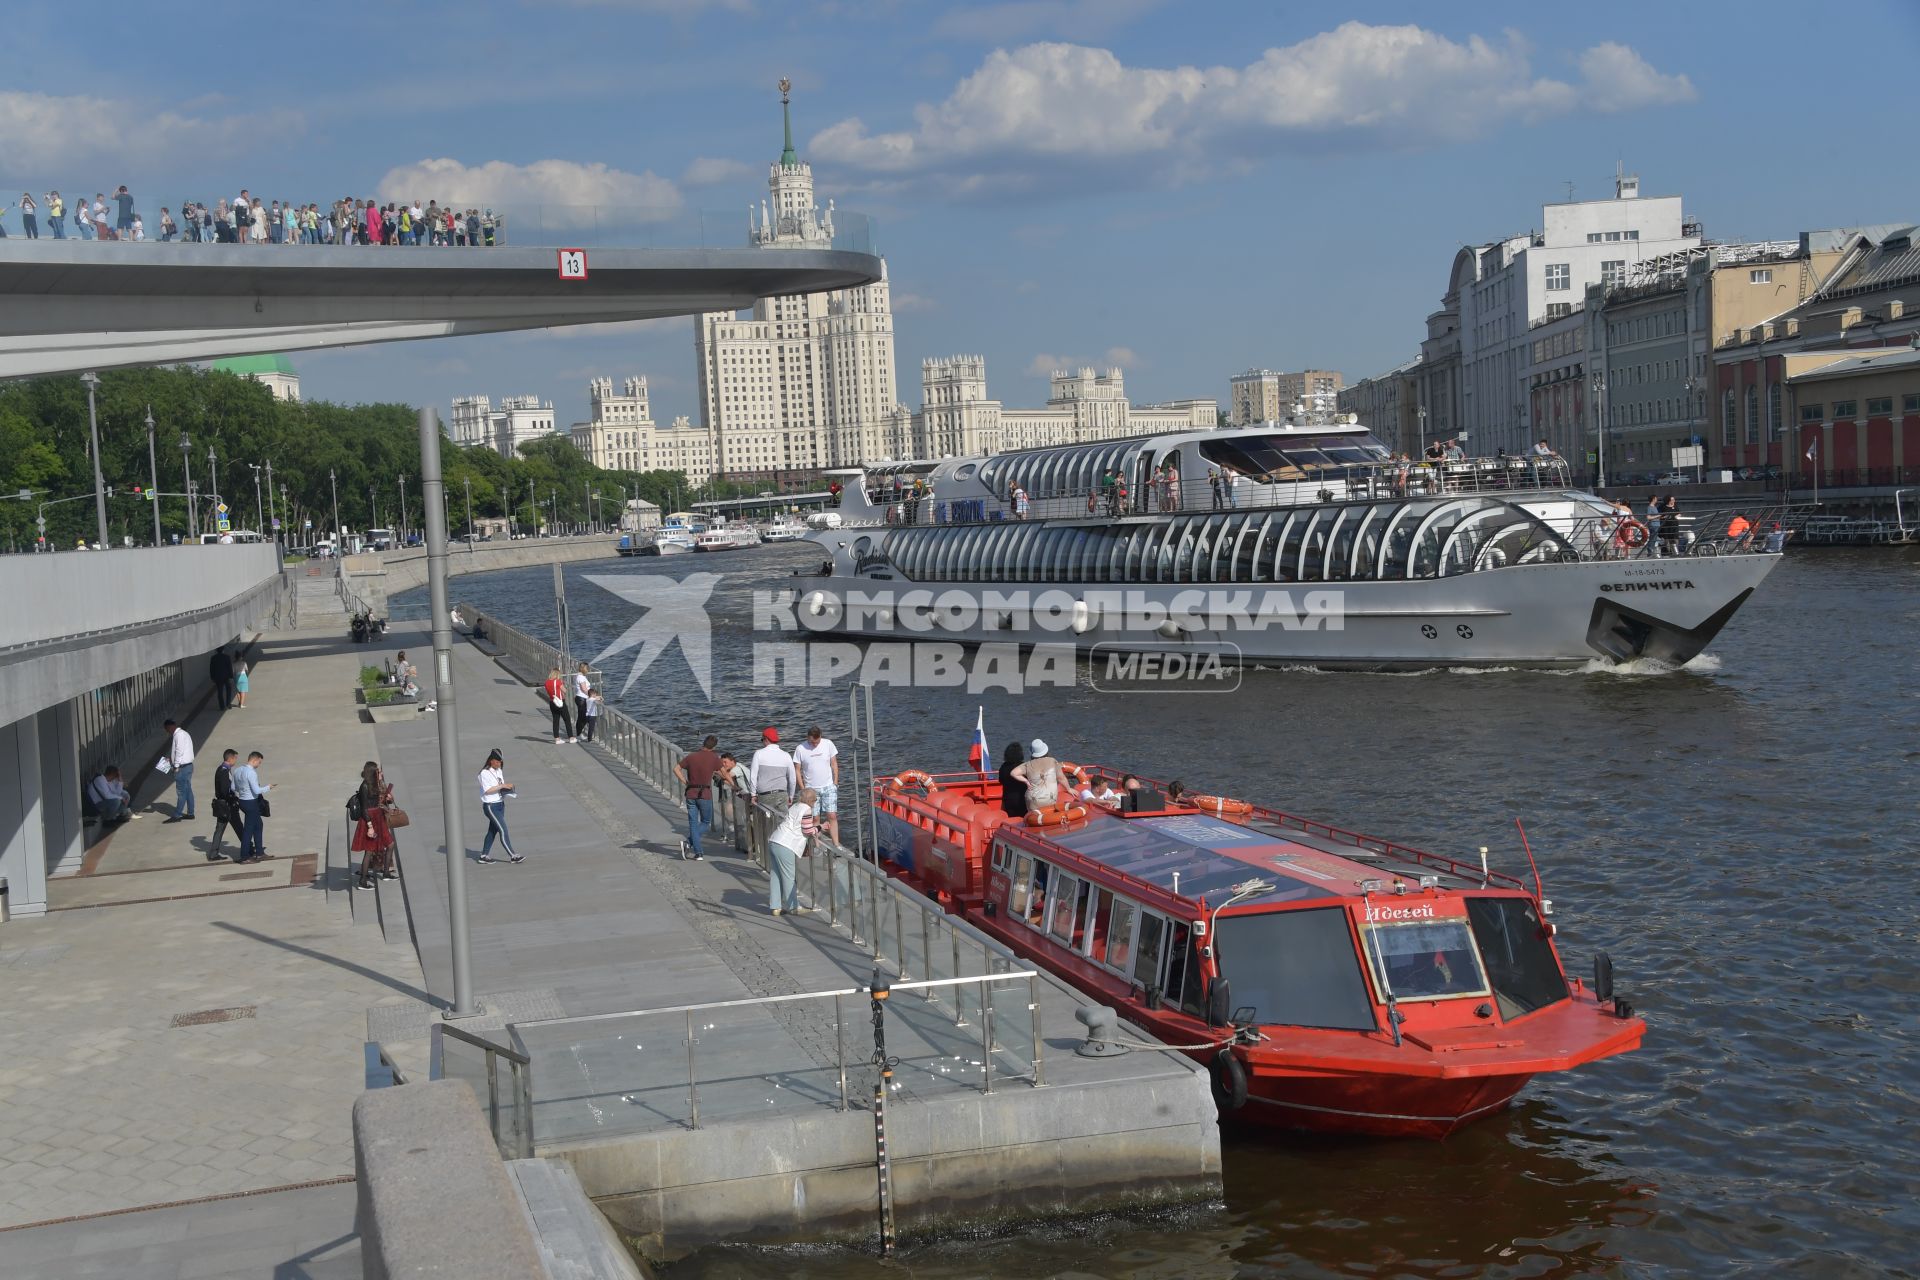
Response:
column 696, row 773
column 555, row 689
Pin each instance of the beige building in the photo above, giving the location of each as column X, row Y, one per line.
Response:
column 1262, row 395
column 803, row 382
column 958, row 419
column 517, row 421
column 1387, row 405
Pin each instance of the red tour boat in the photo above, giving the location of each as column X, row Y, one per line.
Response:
column 1330, row 980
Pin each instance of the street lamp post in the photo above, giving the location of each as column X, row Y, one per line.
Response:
column 533, row 507
column 333, row 485
column 452, row 788
column 1694, row 439
column 1600, row 424
column 403, row 505
column 259, row 510
column 469, row 483
column 271, row 514
column 186, row 475
column 99, row 480
column 374, row 498
column 1422, row 413
column 153, row 465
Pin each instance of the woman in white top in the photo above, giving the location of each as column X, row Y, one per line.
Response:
column 257, row 228
column 1041, row 773
column 582, row 690
column 784, row 846
column 494, row 790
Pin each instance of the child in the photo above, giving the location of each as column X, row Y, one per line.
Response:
column 139, row 229
column 239, row 677
column 594, row 703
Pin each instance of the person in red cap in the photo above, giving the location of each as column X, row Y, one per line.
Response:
column 773, row 774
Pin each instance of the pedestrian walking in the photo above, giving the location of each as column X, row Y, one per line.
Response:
column 178, row 761
column 582, row 690
column 226, row 812
column 786, row 845
column 240, row 685
column 371, row 808
column 696, row 773
column 220, row 671
column 494, row 790
column 555, row 690
column 250, row 793
column 819, row 764
column 774, row 775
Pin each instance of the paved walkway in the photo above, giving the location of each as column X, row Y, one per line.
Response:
column 176, row 1028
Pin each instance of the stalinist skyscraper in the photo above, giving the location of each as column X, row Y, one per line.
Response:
column 802, row 382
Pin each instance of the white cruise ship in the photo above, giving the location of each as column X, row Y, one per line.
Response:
column 1321, row 549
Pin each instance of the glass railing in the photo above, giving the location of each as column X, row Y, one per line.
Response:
column 501, row 1079
column 513, row 224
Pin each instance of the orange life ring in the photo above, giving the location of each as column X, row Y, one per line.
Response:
column 1632, row 534
column 915, row 778
column 1075, row 776
column 1222, row 805
column 1055, row 815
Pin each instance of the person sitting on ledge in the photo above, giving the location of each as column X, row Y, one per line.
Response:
column 110, row 798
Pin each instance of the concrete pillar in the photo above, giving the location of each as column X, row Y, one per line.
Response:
column 23, row 847
column 62, row 784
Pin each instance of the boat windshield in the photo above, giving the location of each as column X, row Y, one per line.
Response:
column 1429, row 960
column 1520, row 961
column 1291, row 457
column 1295, row 968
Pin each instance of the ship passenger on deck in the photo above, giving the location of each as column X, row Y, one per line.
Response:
column 1013, row 786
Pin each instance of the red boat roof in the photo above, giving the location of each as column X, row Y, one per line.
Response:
column 1209, row 856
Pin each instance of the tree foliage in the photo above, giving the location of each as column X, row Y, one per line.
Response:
column 316, row 450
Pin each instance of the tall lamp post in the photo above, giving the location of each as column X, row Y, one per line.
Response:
column 271, row 514
column 469, row 484
column 186, row 476
column 1599, row 381
column 259, row 510
column 213, row 480
column 153, row 465
column 374, row 498
column 92, row 381
column 1694, row 438
column 452, row 786
column 403, row 504
column 333, row 485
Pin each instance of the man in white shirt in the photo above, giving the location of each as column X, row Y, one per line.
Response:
column 1543, row 450
column 1101, row 794
column 109, row 796
column 179, row 761
column 819, row 763
column 773, row 774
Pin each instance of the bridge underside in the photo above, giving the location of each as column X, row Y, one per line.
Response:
column 74, row 306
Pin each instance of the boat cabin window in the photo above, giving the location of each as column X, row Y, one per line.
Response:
column 1018, row 894
column 1182, row 981
column 1002, row 856
column 1037, row 899
column 1520, row 962
column 1425, row 961
column 1070, row 910
column 1120, row 936
column 1098, row 926
column 1295, row 968
column 1148, row 950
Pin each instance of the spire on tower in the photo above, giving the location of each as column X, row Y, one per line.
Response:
column 787, row 155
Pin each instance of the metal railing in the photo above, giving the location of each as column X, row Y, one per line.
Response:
column 381, row 1070
column 512, row 1126
column 961, row 1032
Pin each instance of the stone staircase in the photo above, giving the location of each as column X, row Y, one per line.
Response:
column 317, row 592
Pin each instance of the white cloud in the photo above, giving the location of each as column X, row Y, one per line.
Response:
column 1046, row 364
column 1041, row 114
column 905, row 300
column 49, row 135
column 709, row 171
column 566, row 193
column 992, row 23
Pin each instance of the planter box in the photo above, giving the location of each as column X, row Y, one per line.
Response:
column 392, row 712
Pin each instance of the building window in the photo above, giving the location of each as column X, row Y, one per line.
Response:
column 1752, row 435
column 1612, row 236
column 1845, row 409
column 1558, row 309
column 1593, row 237
column 1633, row 235
column 1613, row 271
column 1764, row 275
column 1910, row 404
column 1812, row 412
column 1773, row 411
column 1726, row 417
column 1879, row 406
column 1559, row 276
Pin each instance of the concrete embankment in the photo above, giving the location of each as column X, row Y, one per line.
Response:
column 374, row 576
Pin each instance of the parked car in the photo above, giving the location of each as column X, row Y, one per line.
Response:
column 1675, row 477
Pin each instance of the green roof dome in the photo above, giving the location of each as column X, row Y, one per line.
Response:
column 247, row 365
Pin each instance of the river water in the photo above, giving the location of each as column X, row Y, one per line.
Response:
column 1740, row 836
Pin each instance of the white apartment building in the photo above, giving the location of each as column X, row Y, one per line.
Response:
column 804, row 382
column 958, row 419
column 1505, row 288
column 519, row 420
column 613, row 439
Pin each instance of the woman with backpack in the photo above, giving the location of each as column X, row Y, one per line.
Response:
column 555, row 690
column 371, row 808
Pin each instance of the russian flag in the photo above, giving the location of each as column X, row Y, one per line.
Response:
column 1813, row 450
column 977, row 753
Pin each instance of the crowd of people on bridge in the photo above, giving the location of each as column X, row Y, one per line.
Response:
column 247, row 219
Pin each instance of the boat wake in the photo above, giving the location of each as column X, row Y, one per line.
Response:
column 1700, row 665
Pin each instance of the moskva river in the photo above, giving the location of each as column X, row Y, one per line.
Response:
column 1740, row 835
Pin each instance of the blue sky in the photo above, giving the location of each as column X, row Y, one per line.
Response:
column 1184, row 189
